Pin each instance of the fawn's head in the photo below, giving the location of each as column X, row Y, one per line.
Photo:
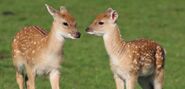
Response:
column 103, row 23
column 64, row 23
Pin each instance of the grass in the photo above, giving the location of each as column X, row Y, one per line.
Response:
column 86, row 64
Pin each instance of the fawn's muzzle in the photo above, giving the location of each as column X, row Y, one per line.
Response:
column 77, row 35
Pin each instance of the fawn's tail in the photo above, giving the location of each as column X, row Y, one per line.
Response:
column 160, row 58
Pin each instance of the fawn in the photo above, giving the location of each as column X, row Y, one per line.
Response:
column 139, row 60
column 36, row 52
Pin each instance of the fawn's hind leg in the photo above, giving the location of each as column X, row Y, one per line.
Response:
column 158, row 79
column 20, row 80
column 19, row 66
column 159, row 73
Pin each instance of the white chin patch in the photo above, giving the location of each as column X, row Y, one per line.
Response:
column 95, row 33
column 70, row 36
column 90, row 33
column 61, row 36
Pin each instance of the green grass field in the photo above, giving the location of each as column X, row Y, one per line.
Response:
column 86, row 64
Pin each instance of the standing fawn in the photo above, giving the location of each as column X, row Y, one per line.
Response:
column 139, row 60
column 36, row 52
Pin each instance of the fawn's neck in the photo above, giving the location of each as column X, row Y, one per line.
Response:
column 114, row 44
column 54, row 44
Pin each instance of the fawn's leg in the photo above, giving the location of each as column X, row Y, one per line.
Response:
column 159, row 72
column 54, row 77
column 20, row 80
column 31, row 78
column 131, row 82
column 119, row 82
column 158, row 79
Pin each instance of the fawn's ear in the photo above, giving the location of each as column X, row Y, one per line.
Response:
column 113, row 14
column 51, row 10
column 63, row 9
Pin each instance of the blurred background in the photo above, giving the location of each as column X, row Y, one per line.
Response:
column 86, row 63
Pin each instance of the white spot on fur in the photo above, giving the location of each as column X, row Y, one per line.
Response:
column 33, row 51
column 14, row 40
column 35, row 43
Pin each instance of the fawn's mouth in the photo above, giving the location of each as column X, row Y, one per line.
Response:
column 94, row 33
column 61, row 36
column 77, row 34
column 74, row 35
column 91, row 33
column 88, row 30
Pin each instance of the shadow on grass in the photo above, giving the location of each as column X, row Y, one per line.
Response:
column 8, row 13
column 4, row 55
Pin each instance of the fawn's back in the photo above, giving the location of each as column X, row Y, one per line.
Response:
column 143, row 54
column 27, row 39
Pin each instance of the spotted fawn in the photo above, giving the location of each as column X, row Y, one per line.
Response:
column 139, row 60
column 37, row 52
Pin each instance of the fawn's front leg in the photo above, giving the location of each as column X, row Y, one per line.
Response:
column 131, row 82
column 119, row 82
column 31, row 78
column 54, row 77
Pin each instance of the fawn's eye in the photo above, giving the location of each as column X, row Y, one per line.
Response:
column 65, row 23
column 100, row 23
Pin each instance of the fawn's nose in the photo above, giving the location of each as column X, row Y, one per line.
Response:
column 77, row 34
